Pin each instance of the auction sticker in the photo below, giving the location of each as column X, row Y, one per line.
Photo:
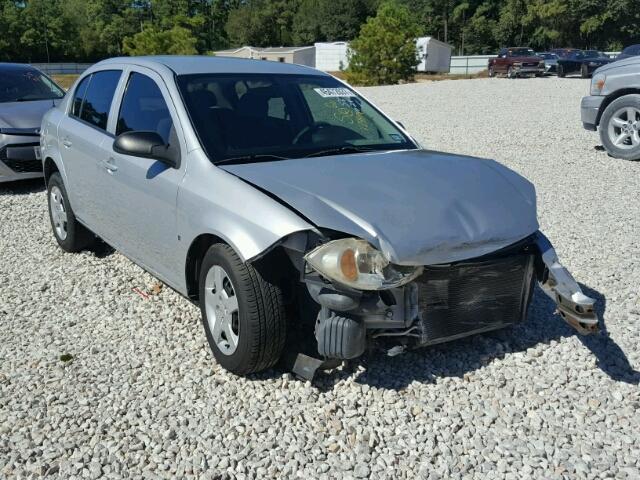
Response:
column 334, row 92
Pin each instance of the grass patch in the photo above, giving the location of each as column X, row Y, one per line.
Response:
column 65, row 80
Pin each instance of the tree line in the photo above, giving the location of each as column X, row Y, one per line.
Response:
column 89, row 30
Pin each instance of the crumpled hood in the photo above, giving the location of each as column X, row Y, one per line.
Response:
column 418, row 207
column 23, row 114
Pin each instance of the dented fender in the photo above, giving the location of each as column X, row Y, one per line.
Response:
column 576, row 308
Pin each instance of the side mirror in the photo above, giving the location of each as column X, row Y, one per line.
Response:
column 146, row 145
column 401, row 124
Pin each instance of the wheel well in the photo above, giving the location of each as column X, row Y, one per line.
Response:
column 196, row 253
column 282, row 275
column 614, row 96
column 49, row 168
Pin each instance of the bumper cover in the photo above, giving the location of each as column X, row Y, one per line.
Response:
column 454, row 301
column 589, row 110
column 19, row 150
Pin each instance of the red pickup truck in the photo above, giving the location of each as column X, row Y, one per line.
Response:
column 516, row 62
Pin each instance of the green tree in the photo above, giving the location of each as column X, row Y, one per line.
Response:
column 153, row 41
column 385, row 51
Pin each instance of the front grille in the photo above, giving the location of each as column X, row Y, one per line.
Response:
column 22, row 165
column 470, row 297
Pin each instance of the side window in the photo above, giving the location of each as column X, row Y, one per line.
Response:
column 78, row 96
column 97, row 101
column 143, row 108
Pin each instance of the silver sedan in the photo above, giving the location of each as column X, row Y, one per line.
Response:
column 305, row 222
column 25, row 95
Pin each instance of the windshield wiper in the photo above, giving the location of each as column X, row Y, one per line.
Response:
column 27, row 99
column 341, row 151
column 251, row 158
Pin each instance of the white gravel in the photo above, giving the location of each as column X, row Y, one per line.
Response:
column 141, row 396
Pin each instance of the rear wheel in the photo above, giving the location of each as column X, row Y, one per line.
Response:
column 620, row 128
column 243, row 313
column 70, row 234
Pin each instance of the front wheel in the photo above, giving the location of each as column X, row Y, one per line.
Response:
column 620, row 128
column 511, row 73
column 561, row 72
column 584, row 71
column 492, row 72
column 70, row 234
column 243, row 313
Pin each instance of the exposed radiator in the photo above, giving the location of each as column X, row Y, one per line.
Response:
column 471, row 297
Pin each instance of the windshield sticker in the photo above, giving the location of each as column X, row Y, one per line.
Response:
column 334, row 92
column 396, row 137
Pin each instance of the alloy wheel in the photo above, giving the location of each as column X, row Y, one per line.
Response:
column 58, row 212
column 624, row 126
column 222, row 309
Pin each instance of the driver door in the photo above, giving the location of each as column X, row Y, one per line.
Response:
column 144, row 191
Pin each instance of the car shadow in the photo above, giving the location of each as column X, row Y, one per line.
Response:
column 22, row 187
column 462, row 357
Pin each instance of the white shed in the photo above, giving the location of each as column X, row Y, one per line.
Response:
column 332, row 56
column 435, row 56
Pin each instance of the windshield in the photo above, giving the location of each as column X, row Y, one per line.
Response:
column 547, row 56
column 242, row 117
column 588, row 54
column 27, row 85
column 521, row 52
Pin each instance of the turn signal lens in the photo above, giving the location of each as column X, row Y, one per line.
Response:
column 355, row 263
column 597, row 84
column 348, row 265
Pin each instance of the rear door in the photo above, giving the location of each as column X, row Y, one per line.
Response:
column 83, row 135
column 144, row 191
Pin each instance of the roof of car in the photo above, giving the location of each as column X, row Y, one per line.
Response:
column 193, row 64
column 16, row 66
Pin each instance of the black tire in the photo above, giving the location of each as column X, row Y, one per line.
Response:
column 510, row 73
column 620, row 103
column 261, row 317
column 78, row 237
column 561, row 72
column 584, row 71
column 492, row 72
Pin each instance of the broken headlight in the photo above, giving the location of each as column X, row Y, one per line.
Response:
column 357, row 264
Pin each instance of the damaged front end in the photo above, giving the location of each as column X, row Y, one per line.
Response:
column 363, row 298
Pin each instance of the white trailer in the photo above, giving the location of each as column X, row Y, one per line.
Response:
column 435, row 56
column 332, row 56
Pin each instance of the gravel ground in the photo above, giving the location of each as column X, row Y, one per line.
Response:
column 97, row 381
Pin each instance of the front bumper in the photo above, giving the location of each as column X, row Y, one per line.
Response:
column 19, row 156
column 528, row 70
column 589, row 111
column 450, row 302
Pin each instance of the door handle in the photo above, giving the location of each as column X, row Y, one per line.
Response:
column 66, row 142
column 110, row 165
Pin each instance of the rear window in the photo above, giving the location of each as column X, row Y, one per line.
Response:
column 97, row 100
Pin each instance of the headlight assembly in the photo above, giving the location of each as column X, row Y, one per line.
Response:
column 355, row 263
column 597, row 84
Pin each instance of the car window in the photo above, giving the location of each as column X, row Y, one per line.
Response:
column 97, row 100
column 78, row 96
column 143, row 108
column 240, row 115
column 27, row 85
